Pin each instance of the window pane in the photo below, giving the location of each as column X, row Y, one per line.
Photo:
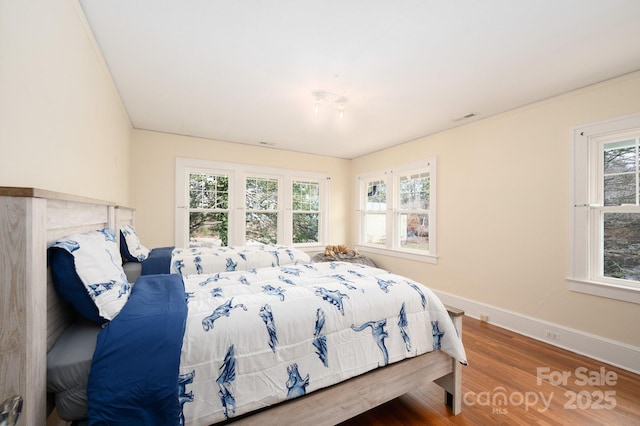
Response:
column 414, row 192
column 375, row 228
column 306, row 196
column 620, row 173
column 209, row 227
column 262, row 194
column 208, row 191
column 620, row 157
column 621, row 257
column 262, row 227
column 620, row 189
column 305, row 227
column 414, row 231
column 376, row 195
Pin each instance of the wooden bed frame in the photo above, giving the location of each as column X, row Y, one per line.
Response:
column 31, row 219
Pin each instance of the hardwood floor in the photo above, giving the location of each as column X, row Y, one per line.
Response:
column 501, row 386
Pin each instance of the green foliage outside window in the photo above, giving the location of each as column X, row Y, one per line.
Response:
column 209, row 203
column 209, row 209
column 306, row 216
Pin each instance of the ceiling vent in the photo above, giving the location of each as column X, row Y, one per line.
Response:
column 466, row 116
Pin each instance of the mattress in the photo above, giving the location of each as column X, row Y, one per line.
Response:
column 68, row 367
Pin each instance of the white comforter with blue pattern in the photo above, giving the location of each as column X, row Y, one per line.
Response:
column 257, row 337
column 211, row 260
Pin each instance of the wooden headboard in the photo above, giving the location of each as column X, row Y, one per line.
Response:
column 124, row 216
column 32, row 316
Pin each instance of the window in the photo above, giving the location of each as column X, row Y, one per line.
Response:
column 606, row 209
column 413, row 210
column 306, row 212
column 396, row 211
column 208, row 207
column 231, row 204
column 261, row 216
column 374, row 213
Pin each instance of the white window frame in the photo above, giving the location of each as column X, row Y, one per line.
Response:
column 237, row 201
column 586, row 208
column 391, row 177
column 183, row 168
column 322, row 212
column 280, row 211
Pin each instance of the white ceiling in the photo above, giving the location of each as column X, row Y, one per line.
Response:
column 245, row 71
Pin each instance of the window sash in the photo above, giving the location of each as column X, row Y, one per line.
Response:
column 262, row 226
column 298, row 225
column 599, row 206
column 375, row 228
column 306, row 217
column 417, row 238
column 214, row 216
column 262, row 193
column 309, row 198
column 616, row 243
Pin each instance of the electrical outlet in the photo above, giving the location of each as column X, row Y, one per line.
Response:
column 549, row 334
column 484, row 318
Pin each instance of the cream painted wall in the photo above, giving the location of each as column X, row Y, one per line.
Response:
column 153, row 175
column 504, row 209
column 62, row 125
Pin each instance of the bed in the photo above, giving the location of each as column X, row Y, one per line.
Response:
column 40, row 218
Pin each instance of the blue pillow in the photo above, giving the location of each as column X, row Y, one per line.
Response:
column 88, row 274
column 70, row 286
column 131, row 249
column 124, row 250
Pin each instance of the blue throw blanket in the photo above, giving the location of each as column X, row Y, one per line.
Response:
column 134, row 376
column 158, row 262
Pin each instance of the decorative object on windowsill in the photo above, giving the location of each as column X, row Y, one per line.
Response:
column 339, row 250
column 342, row 253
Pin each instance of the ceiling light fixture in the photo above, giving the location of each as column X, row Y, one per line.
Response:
column 322, row 96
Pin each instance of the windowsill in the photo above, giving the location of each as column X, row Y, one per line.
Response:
column 611, row 291
column 425, row 258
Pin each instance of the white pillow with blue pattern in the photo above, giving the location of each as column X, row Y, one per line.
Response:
column 98, row 265
column 131, row 248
